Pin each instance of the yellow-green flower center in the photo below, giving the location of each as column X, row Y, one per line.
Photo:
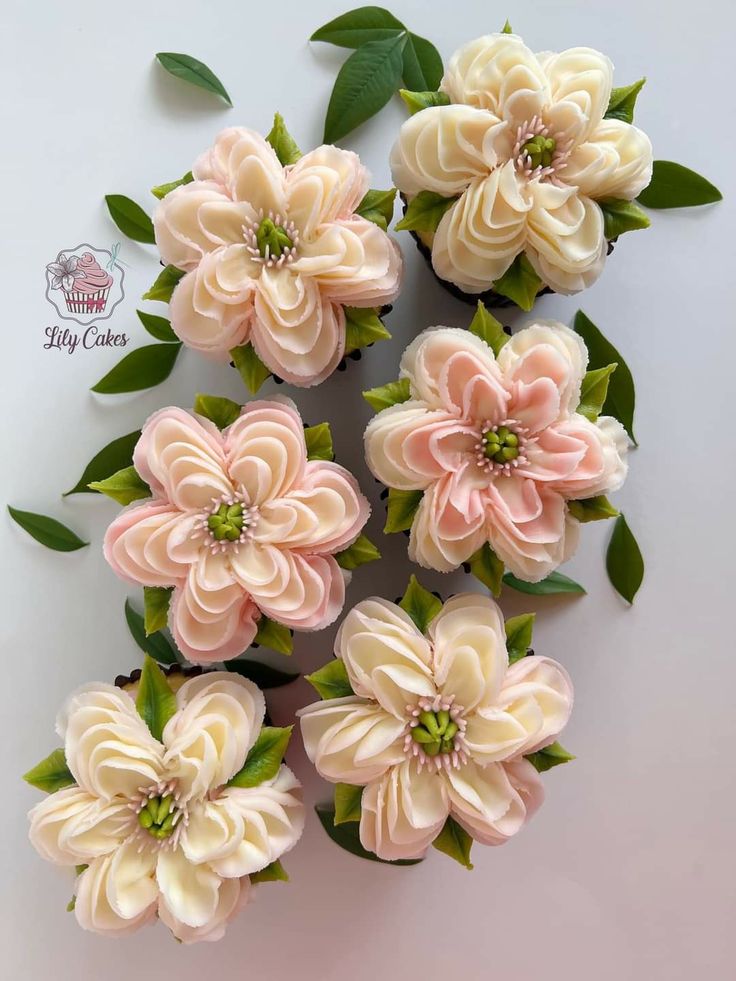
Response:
column 158, row 816
column 540, row 150
column 435, row 732
column 226, row 523
column 500, row 445
column 272, row 239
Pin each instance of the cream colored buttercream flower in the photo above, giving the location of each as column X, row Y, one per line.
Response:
column 525, row 148
column 438, row 726
column 154, row 823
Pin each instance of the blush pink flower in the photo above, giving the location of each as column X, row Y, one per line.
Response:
column 497, row 447
column 240, row 523
column 273, row 253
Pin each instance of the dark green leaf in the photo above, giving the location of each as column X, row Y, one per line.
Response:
column 519, row 635
column 130, row 218
column 156, row 601
column 364, row 84
column 264, row 759
column 622, row 101
column 158, row 327
column 319, row 442
column 250, row 367
column 422, row 66
column 124, row 486
column 223, row 412
column 359, row 26
column 487, row 568
column 347, row 836
column 455, row 842
column 161, row 190
column 378, row 207
column 283, row 142
column 552, row 755
column 190, row 70
column 157, row 646
column 675, row 186
column 261, row 674
column 554, row 583
column 421, row 605
column 363, row 326
column 401, row 508
column 47, row 531
column 347, row 803
column 143, row 368
column 50, row 774
column 592, row 509
column 274, row 635
column 424, row 212
column 621, row 397
column 331, row 680
column 490, row 330
column 519, row 283
column 593, row 391
column 155, row 701
column 359, row 553
column 392, row 393
column 416, row 101
column 163, row 287
column 621, row 216
column 274, row 872
column 114, row 456
column 624, row 562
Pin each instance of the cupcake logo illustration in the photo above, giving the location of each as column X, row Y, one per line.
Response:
column 85, row 284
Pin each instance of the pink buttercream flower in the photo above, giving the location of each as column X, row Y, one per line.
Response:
column 240, row 523
column 497, row 446
column 272, row 253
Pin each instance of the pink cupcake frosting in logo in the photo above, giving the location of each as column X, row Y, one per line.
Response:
column 82, row 281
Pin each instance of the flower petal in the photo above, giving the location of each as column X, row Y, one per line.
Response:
column 580, row 81
column 93, row 908
column 538, row 693
column 189, row 891
column 131, row 883
column 324, row 185
column 598, row 465
column 493, row 802
column 449, row 525
column 180, row 237
column 614, row 162
column 232, row 896
column 265, row 448
column 202, row 320
column 425, row 359
column 205, row 627
column 72, row 826
column 152, row 544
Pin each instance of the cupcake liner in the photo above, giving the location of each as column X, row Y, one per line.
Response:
column 78, row 301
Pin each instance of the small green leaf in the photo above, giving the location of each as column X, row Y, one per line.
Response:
column 424, row 212
column 264, row 759
column 143, row 368
column 124, row 486
column 392, row 393
column 519, row 635
column 421, row 605
column 593, row 391
column 223, row 412
column 401, row 509
column 486, row 566
column 621, row 216
column 422, row 65
column 71, row 905
column 155, row 701
column 621, row 398
column 161, row 190
column 552, row 755
column 519, row 283
column 675, row 186
column 274, row 635
column 51, row 774
column 592, row 509
column 157, row 646
column 378, row 207
column 347, row 803
column 261, row 674
column 163, row 287
column 283, row 142
column 250, row 367
column 274, row 872
column 347, row 837
column 506, row 29
column 48, row 531
column 455, row 841
column 156, row 601
column 114, row 456
column 319, row 442
column 490, row 330
column 416, row 101
column 552, row 584
column 360, row 552
column 158, row 327
column 331, row 680
column 622, row 101
column 363, row 326
column 190, row 70
column 624, row 562
column 357, row 27
column 130, row 218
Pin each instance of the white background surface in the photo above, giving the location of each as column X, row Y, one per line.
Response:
column 629, row 870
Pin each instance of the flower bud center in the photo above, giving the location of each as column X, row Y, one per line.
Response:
column 272, row 239
column 226, row 523
column 435, row 732
column 540, row 150
column 159, row 816
column 500, row 444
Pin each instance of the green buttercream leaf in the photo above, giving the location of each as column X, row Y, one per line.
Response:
column 519, row 283
column 455, row 842
column 264, row 759
column 155, row 701
column 360, row 552
column 250, row 367
column 401, row 508
column 392, row 393
column 424, row 212
column 331, row 680
column 490, row 330
column 51, row 774
column 421, row 605
column 624, row 561
column 347, row 803
column 124, row 486
column 519, row 635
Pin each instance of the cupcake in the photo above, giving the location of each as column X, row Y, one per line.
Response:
column 90, row 287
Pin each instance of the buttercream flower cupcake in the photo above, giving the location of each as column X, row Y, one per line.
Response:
column 441, row 731
column 169, row 800
column 514, row 177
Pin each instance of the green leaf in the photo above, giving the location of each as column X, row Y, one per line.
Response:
column 552, row 755
column 48, row 531
column 424, row 212
column 507, row 29
column 158, row 327
column 261, row 674
column 357, row 27
column 455, row 842
column 422, row 65
column 223, row 412
column 347, row 837
column 378, row 207
column 490, row 330
column 130, row 218
column 161, row 190
column 331, row 680
column 592, row 509
column 190, row 70
column 519, row 635
column 621, row 216
column 124, row 486
column 364, row 84
column 622, row 101
column 319, row 442
column 519, row 283
column 363, row 326
column 552, row 584
column 392, row 393
column 486, row 566
column 624, row 562
column 163, row 287
column 401, row 508
column 143, row 368
column 675, row 186
column 360, row 552
column 250, row 367
column 274, row 872
column 347, row 803
column 621, row 398
column 51, row 774
column 274, row 635
column 416, row 101
column 283, row 142
column 593, row 391
column 155, row 701
column 114, row 456
column 157, row 646
column 156, row 601
column 421, row 605
column 263, row 761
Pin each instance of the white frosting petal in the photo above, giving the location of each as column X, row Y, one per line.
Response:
column 538, row 693
column 72, row 826
column 615, row 162
column 580, row 81
column 232, row 896
column 323, row 186
column 490, row 803
column 94, row 908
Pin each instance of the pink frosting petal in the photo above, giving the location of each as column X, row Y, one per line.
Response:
column 265, row 450
column 202, row 321
column 137, row 544
column 202, row 636
column 473, row 386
